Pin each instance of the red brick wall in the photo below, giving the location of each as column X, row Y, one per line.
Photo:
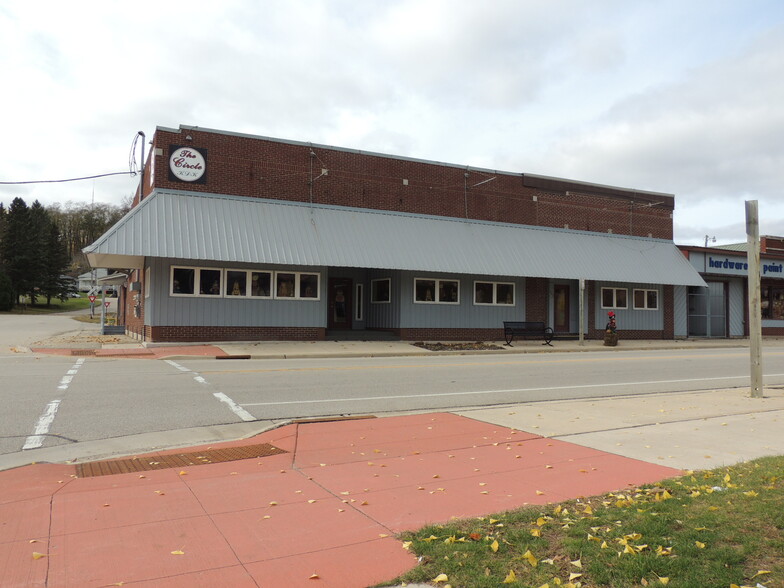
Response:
column 202, row 333
column 262, row 168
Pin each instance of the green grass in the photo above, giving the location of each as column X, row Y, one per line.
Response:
column 40, row 307
column 716, row 528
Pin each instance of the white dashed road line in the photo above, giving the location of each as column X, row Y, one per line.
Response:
column 45, row 421
column 233, row 406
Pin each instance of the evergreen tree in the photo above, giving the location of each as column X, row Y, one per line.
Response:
column 38, row 241
column 17, row 250
column 6, row 292
column 56, row 284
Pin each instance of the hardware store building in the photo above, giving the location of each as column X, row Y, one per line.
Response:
column 241, row 237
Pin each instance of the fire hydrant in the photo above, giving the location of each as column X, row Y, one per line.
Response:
column 611, row 331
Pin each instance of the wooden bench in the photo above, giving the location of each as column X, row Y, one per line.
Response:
column 527, row 330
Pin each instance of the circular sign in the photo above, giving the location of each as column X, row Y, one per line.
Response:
column 187, row 164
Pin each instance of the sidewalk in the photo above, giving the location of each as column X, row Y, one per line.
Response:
column 323, row 511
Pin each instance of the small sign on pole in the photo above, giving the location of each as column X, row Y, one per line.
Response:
column 91, row 298
column 106, row 304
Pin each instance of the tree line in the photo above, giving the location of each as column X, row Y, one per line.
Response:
column 41, row 247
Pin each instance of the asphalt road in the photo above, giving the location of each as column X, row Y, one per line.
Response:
column 50, row 401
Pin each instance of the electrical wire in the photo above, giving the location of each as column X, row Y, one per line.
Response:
column 131, row 173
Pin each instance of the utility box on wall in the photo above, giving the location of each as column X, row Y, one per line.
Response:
column 136, row 286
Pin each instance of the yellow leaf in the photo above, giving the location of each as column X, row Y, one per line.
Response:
column 760, row 573
column 406, row 545
column 573, row 576
column 178, row 552
column 314, row 576
column 751, row 493
column 541, row 521
column 510, row 577
column 664, row 580
column 604, row 545
column 577, row 563
column 37, row 555
column 183, row 473
column 588, row 510
column 494, row 546
column 699, row 544
column 440, row 578
column 539, row 492
column 536, row 533
column 530, row 558
column 727, row 478
column 273, row 503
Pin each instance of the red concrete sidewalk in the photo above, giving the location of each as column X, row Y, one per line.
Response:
column 322, row 514
column 139, row 352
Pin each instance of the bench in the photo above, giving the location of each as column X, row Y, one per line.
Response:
column 527, row 330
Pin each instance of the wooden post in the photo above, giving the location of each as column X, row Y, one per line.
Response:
column 755, row 308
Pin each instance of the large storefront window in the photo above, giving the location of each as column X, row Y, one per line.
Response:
column 772, row 302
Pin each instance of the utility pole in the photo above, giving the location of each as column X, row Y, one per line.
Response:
column 581, row 311
column 755, row 308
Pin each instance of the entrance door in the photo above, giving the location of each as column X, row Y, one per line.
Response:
column 708, row 310
column 561, row 308
column 339, row 303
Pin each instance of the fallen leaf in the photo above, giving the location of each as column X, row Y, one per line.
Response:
column 183, row 473
column 699, row 544
column 178, row 552
column 510, row 577
column 440, row 578
column 530, row 558
column 494, row 546
column 314, row 576
column 37, row 555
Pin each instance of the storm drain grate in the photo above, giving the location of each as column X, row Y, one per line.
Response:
column 175, row 460
column 82, row 352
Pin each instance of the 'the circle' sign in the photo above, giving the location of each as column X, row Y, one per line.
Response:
column 187, row 164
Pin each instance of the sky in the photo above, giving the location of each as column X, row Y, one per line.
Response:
column 674, row 96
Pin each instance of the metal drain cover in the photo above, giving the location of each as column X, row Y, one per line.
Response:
column 175, row 460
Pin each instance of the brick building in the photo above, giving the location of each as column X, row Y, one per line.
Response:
column 240, row 237
column 722, row 309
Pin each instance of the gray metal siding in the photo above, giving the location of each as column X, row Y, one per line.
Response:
column 737, row 303
column 385, row 315
column 229, row 311
column 681, row 310
column 172, row 224
column 465, row 315
column 630, row 319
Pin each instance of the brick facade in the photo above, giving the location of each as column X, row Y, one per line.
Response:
column 258, row 167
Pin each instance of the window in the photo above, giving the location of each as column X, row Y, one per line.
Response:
column 614, row 298
column 501, row 293
column 772, row 302
column 210, row 282
column 260, row 284
column 238, row 283
column 436, row 291
column 358, row 302
column 297, row 285
column 380, row 290
column 646, row 300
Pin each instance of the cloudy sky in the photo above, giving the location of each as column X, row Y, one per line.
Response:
column 683, row 97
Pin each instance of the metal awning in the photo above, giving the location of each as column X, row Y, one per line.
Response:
column 230, row 229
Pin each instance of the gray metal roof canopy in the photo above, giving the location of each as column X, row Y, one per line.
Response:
column 226, row 229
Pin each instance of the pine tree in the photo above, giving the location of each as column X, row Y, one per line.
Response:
column 16, row 249
column 56, row 284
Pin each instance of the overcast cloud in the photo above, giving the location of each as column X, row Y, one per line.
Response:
column 671, row 96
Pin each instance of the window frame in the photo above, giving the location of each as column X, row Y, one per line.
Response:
column 246, row 295
column 197, row 270
column 494, row 301
column 437, row 291
column 297, row 295
column 373, row 291
column 359, row 302
column 615, row 297
column 645, row 291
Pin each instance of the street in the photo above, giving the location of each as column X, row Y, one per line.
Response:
column 55, row 400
